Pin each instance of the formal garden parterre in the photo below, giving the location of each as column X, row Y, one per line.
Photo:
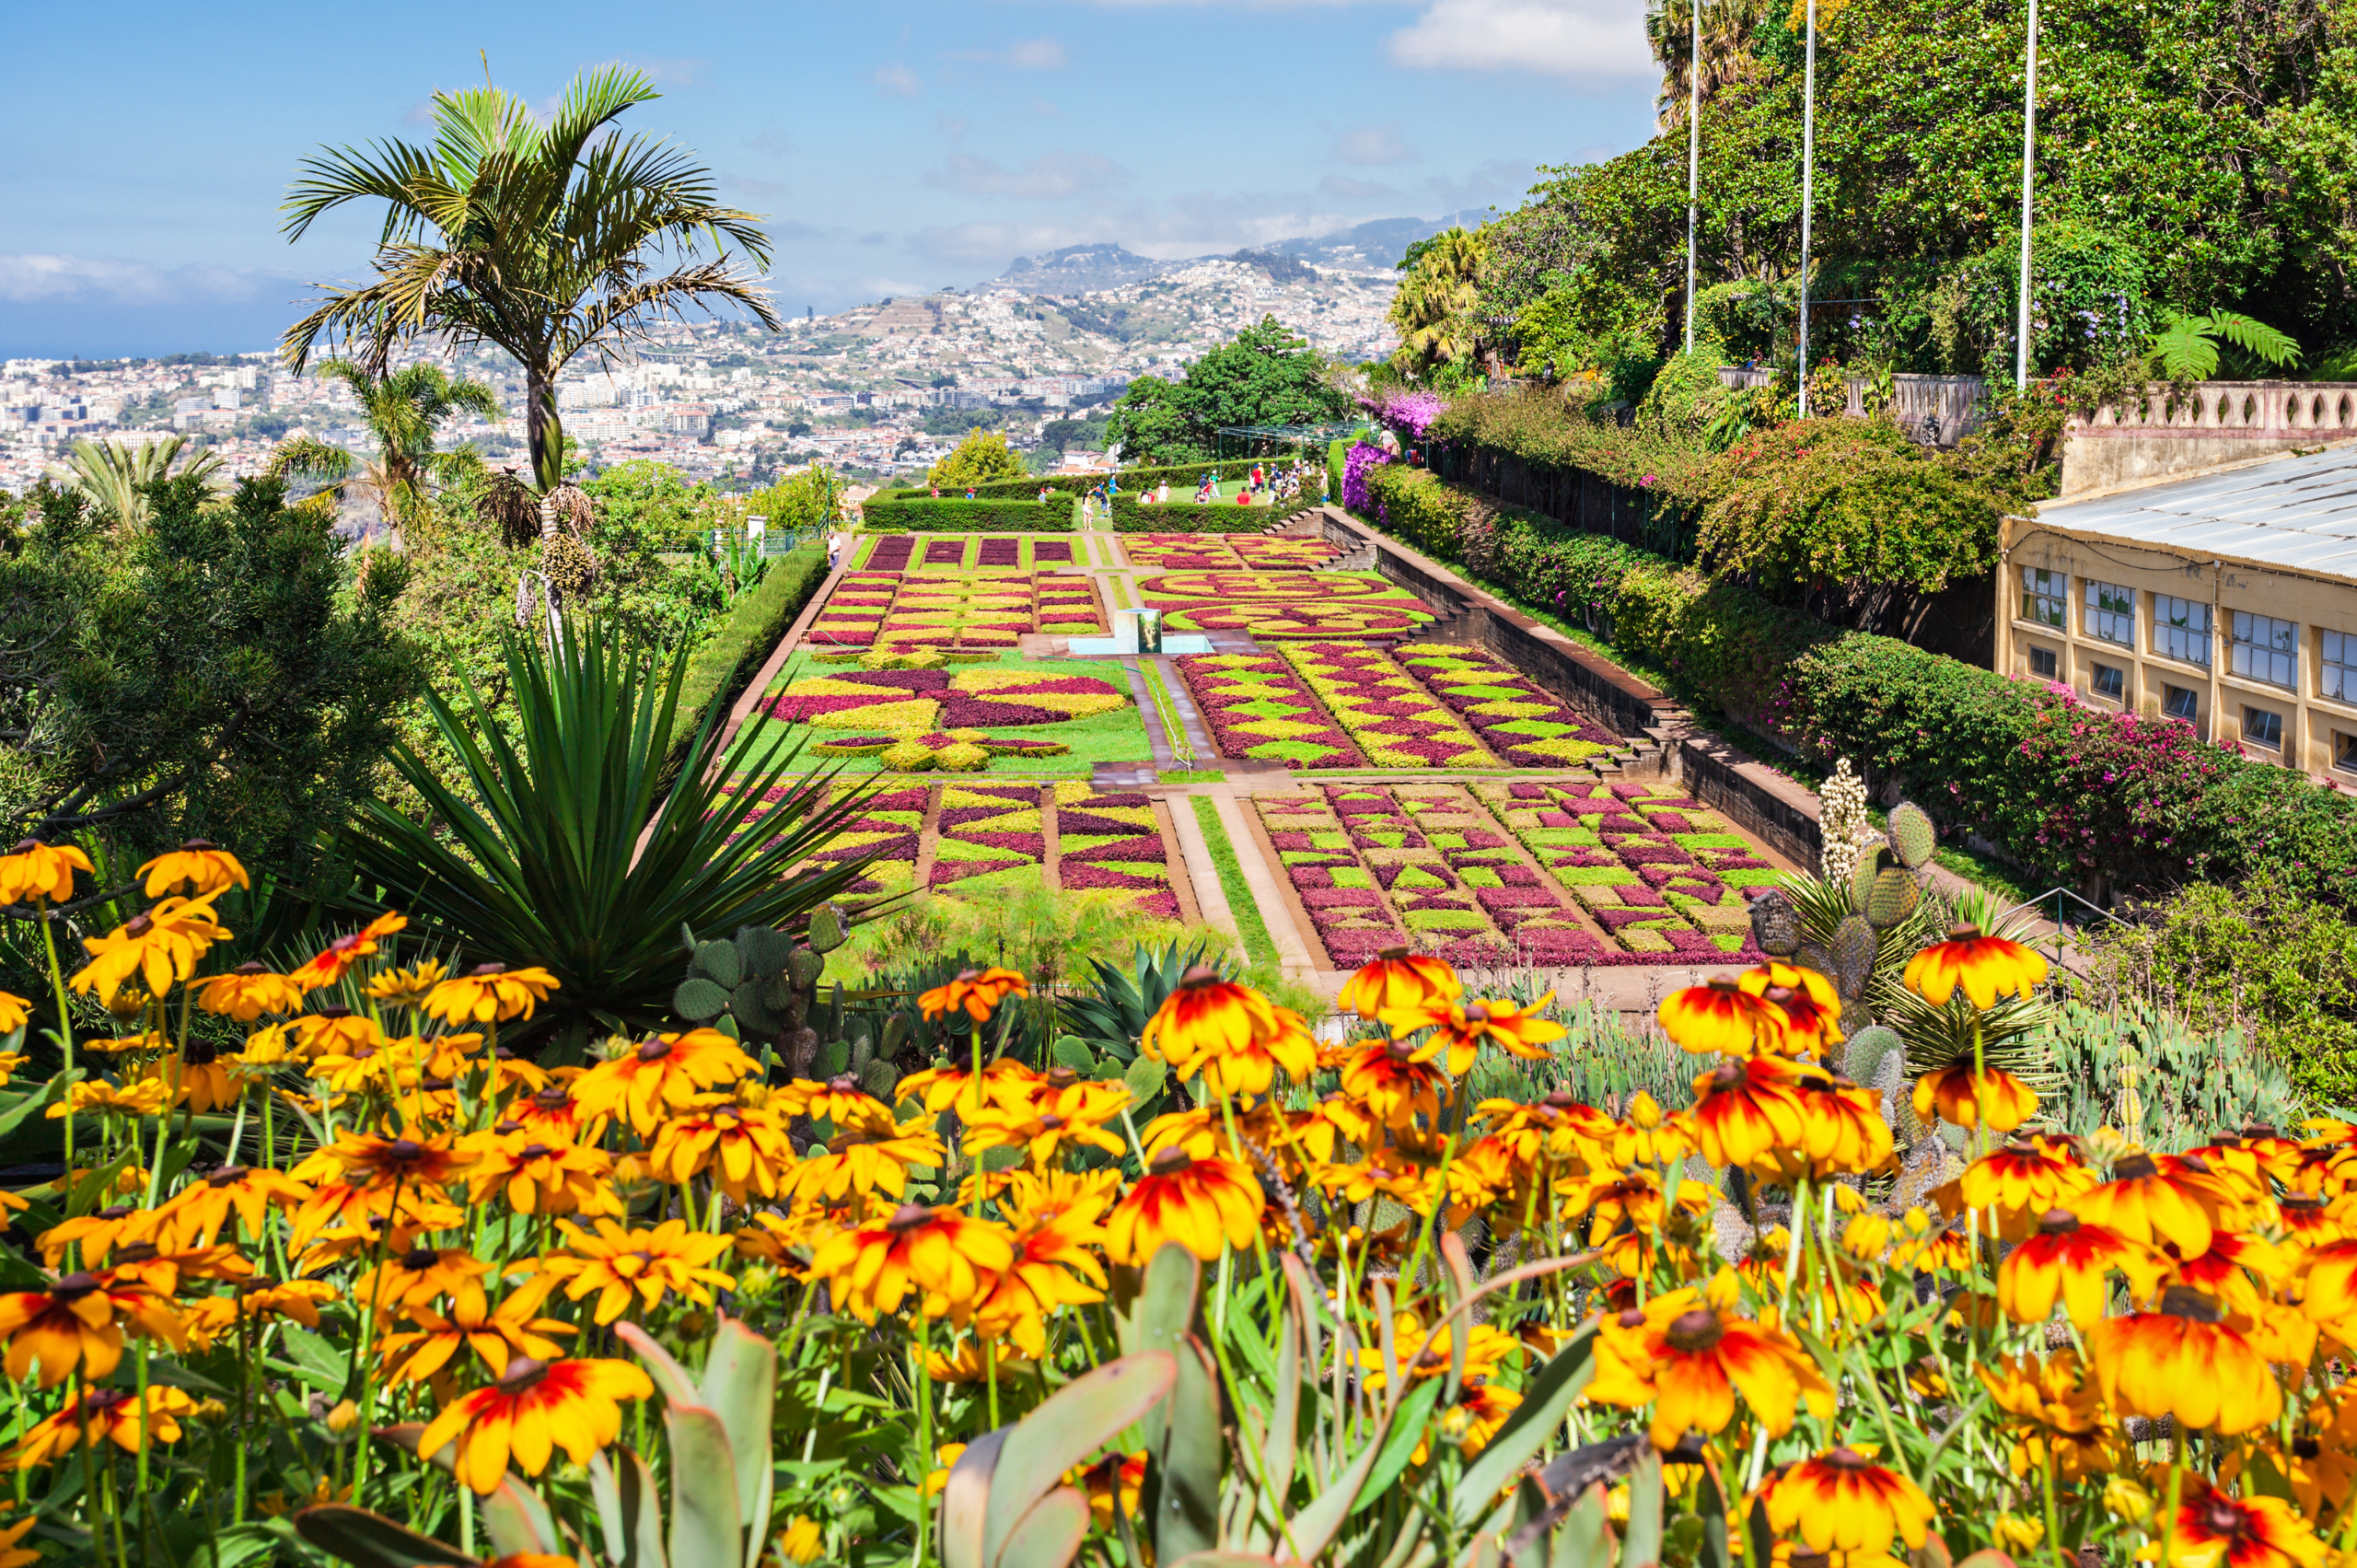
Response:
column 1281, row 606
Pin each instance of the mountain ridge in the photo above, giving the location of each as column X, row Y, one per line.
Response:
column 1375, row 246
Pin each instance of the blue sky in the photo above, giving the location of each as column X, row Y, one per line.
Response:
column 894, row 148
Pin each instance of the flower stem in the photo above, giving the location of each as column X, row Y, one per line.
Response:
column 65, row 1026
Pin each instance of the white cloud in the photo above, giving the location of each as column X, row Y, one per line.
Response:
column 1037, row 54
column 1592, row 39
column 896, row 79
column 50, row 279
column 1370, row 145
column 1048, row 176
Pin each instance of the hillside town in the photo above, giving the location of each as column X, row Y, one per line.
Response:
column 882, row 389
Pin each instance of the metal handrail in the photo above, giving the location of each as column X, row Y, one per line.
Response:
column 2039, row 902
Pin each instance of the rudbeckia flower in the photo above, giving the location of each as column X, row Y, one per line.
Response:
column 1201, row 1204
column 406, row 987
column 1689, row 1355
column 1992, row 1098
column 336, row 1030
column 412, row 1159
column 14, row 1011
column 1228, row 1031
column 618, row 1263
column 1746, row 1113
column 2166, row 1199
column 1841, row 1500
column 1074, row 1117
column 195, row 1077
column 1054, row 1266
column 542, row 1175
column 2053, row 1402
column 1004, row 1081
column 659, row 1075
column 534, row 1408
column 193, row 1216
column 144, row 1097
column 79, row 1322
column 161, row 948
column 328, row 966
column 489, row 993
column 1811, row 1004
column 946, row 1260
column 742, row 1146
column 38, row 873
column 868, row 1159
column 248, row 991
column 2075, row 1261
column 497, row 1335
column 2214, row 1530
column 1840, row 1128
column 413, row 1276
column 1398, row 979
column 2185, row 1361
column 203, row 867
column 1394, row 1082
column 1460, row 1027
column 129, row 1420
column 975, row 992
column 1723, row 1018
column 1987, row 967
column 2020, row 1181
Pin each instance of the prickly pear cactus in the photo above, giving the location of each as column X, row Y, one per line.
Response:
column 1776, row 925
column 1912, row 838
column 1851, row 957
column 762, row 987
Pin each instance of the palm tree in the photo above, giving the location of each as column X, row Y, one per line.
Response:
column 113, row 474
column 534, row 238
column 1727, row 50
column 1434, row 306
column 404, row 411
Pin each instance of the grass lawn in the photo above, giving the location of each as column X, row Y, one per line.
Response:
column 1115, row 737
column 1258, row 944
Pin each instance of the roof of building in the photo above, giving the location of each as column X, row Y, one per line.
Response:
column 2298, row 511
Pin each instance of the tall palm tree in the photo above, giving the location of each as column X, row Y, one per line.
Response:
column 537, row 238
column 1727, row 50
column 404, row 411
column 112, row 474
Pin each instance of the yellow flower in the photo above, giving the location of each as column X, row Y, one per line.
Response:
column 975, row 992
column 144, row 1097
column 1395, row 979
column 161, row 946
column 660, row 1075
column 617, row 1262
column 1987, row 967
column 1841, row 1500
column 744, row 1146
column 799, row 1543
column 490, row 992
column 35, row 872
column 498, row 1336
column 14, row 1011
column 945, row 1259
column 1201, row 1204
column 1459, row 1027
column 1060, row 1119
column 1994, row 1099
column 327, row 966
column 1724, row 1017
column 202, row 867
column 406, row 988
column 535, row 1407
column 248, row 991
column 128, row 1420
column 541, row 1175
column 1230, row 1032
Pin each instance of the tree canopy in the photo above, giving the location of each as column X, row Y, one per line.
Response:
column 982, row 457
column 1267, row 376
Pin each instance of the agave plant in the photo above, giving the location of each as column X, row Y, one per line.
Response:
column 564, row 848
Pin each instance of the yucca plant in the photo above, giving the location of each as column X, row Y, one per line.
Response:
column 564, row 848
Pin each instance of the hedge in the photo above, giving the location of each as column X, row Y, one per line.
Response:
column 724, row 662
column 1079, row 484
column 1131, row 516
column 2064, row 789
column 923, row 515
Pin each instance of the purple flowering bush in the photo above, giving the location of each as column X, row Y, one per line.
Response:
column 1361, row 459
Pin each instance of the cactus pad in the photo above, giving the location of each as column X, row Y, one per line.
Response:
column 1896, row 895
column 699, row 1000
column 1863, row 874
column 1852, row 957
column 1912, row 837
column 1775, row 924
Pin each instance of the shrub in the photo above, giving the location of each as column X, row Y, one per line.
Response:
column 983, row 455
column 725, row 661
column 2260, row 955
column 902, row 512
column 1355, row 468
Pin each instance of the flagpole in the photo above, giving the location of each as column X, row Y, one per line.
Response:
column 2029, row 146
column 1693, row 160
column 1809, row 188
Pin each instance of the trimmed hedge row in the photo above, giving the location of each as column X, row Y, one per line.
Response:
column 923, row 515
column 1076, row 484
column 724, row 662
column 2066, row 790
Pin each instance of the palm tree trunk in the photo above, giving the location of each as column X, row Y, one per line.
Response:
column 546, row 435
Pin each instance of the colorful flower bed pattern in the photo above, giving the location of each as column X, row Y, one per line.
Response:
column 960, row 612
column 1225, row 553
column 955, row 718
column 1386, row 710
column 889, row 829
column 1112, row 841
column 985, row 829
column 1436, row 868
column 1663, row 875
column 1256, row 706
column 1525, row 726
column 1285, row 605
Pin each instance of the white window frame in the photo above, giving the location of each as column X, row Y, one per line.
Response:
column 2337, row 666
column 2251, row 713
column 2111, row 613
column 2181, row 629
column 2041, row 588
column 2272, row 662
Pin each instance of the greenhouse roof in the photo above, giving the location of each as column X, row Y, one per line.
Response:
column 2298, row 511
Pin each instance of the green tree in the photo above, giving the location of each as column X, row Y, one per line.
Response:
column 404, row 411
column 227, row 671
column 983, row 456
column 811, row 499
column 539, row 238
column 113, row 476
column 1434, row 310
column 1267, row 376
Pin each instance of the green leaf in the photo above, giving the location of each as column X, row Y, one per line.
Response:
column 1191, row 1457
column 623, row 1489
column 1399, row 1444
column 371, row 1540
column 1145, row 1079
column 704, row 1511
column 1533, row 1422
column 1049, row 1535
column 1070, row 1052
column 1068, row 1428
column 314, row 1361
column 740, row 1387
column 1641, row 1541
